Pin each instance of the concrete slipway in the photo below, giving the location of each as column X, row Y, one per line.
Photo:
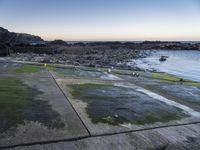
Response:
column 67, row 107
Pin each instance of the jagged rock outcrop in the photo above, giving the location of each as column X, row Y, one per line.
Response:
column 22, row 38
column 13, row 38
column 6, row 36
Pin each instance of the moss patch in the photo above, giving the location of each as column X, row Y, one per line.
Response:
column 167, row 77
column 159, row 114
column 124, row 72
column 196, row 84
column 27, row 69
column 164, row 76
column 18, row 103
column 118, row 105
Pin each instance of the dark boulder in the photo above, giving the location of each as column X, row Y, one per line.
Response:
column 22, row 38
column 58, row 42
column 6, row 36
column 4, row 50
column 163, row 58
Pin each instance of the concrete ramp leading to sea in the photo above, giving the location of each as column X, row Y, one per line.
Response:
column 44, row 106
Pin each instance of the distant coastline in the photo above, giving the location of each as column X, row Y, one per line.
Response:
column 26, row 47
column 86, row 42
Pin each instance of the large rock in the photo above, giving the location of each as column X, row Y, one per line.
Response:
column 4, row 50
column 18, row 38
column 6, row 36
column 58, row 42
column 22, row 38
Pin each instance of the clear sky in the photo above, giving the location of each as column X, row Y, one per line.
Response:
column 124, row 20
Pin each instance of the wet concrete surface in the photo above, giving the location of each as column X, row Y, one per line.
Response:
column 99, row 104
column 185, row 137
column 184, row 94
column 21, row 69
column 84, row 102
column 83, row 72
column 47, row 115
column 117, row 105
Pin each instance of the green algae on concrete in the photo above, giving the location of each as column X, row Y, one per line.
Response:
column 117, row 105
column 164, row 76
column 27, row 68
column 171, row 78
column 124, row 72
column 18, row 103
column 20, row 68
column 190, row 83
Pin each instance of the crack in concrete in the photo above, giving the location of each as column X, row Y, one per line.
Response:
column 70, row 103
column 98, row 135
column 90, row 135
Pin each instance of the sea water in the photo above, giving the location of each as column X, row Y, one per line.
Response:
column 182, row 63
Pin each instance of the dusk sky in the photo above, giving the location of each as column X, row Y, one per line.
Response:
column 115, row 20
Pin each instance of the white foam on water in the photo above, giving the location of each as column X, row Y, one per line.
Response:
column 161, row 98
column 108, row 76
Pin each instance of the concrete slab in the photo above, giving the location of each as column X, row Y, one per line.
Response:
column 42, row 112
column 184, row 94
column 186, row 137
column 83, row 73
column 132, row 108
column 22, row 69
column 106, row 104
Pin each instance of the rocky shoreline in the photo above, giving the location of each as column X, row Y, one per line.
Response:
column 90, row 60
column 26, row 47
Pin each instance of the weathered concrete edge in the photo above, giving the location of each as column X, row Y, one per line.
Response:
column 93, row 136
column 70, row 103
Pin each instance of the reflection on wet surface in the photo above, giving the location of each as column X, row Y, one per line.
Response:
column 77, row 72
column 117, row 105
column 187, row 95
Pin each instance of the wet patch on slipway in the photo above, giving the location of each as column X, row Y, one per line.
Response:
column 84, row 73
column 116, row 105
column 32, row 107
column 18, row 104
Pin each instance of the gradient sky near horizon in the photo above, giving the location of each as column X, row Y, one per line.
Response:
column 106, row 20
